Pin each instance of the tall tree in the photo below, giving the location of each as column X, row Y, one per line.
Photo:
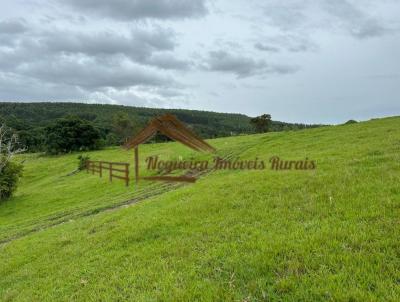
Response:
column 71, row 134
column 10, row 171
column 123, row 126
column 9, row 145
column 262, row 123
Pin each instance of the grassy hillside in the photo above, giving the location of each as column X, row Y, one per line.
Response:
column 328, row 234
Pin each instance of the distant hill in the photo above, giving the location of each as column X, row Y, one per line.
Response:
column 210, row 124
column 30, row 118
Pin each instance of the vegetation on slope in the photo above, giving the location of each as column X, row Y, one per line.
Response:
column 329, row 234
column 31, row 119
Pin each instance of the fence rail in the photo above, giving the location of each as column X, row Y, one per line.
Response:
column 100, row 166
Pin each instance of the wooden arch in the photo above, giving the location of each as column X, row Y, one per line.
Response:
column 171, row 127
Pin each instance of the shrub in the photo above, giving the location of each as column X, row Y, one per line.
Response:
column 82, row 162
column 349, row 122
column 9, row 177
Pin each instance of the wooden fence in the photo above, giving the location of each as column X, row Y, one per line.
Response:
column 102, row 166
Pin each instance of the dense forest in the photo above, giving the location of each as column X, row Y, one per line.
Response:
column 114, row 123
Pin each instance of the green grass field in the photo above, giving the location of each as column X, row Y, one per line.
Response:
column 331, row 234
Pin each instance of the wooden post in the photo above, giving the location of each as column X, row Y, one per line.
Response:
column 110, row 172
column 136, row 164
column 127, row 174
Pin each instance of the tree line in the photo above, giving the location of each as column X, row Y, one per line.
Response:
column 64, row 127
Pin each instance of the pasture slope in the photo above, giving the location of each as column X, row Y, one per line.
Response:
column 331, row 234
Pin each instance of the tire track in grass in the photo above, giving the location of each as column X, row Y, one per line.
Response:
column 141, row 195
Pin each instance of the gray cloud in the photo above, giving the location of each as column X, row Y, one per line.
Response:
column 368, row 29
column 88, row 62
column 299, row 16
column 14, row 26
column 104, row 59
column 23, row 88
column 144, row 46
column 91, row 74
column 128, row 10
column 266, row 47
column 286, row 15
column 168, row 61
column 139, row 44
column 294, row 43
column 16, row 87
column 288, row 42
column 354, row 20
column 242, row 66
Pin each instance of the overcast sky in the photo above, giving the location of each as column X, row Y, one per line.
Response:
column 314, row 61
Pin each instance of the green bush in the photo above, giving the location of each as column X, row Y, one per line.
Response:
column 9, row 177
column 349, row 122
column 82, row 162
